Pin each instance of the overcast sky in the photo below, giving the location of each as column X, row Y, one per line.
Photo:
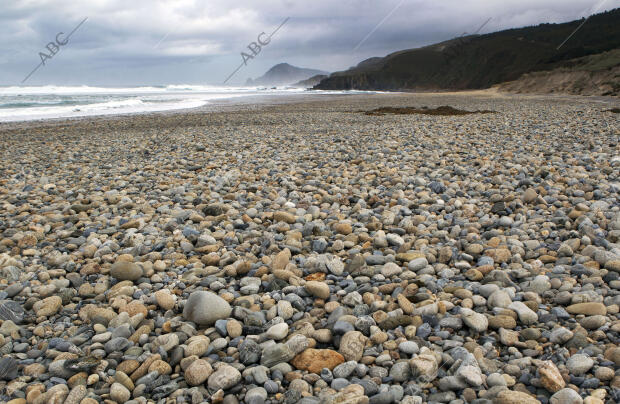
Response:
column 141, row 42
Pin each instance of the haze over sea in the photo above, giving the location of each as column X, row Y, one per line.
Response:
column 24, row 103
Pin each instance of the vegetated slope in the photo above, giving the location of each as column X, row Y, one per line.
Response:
column 480, row 61
column 590, row 75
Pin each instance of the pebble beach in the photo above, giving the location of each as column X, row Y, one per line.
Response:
column 308, row 252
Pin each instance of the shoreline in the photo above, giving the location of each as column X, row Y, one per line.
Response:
column 256, row 101
column 121, row 101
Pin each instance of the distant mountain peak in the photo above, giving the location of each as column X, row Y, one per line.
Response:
column 284, row 74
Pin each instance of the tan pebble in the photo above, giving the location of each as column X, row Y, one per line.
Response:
column 32, row 395
column 229, row 297
column 92, row 379
column 77, row 379
column 410, row 331
column 379, row 337
column 144, row 367
column 515, row 397
column 498, row 322
column 604, row 373
column 66, row 355
column 233, row 328
column 613, row 265
column 217, row 397
column 284, row 217
column 589, row 309
column 323, row 335
column 599, row 393
column 125, row 258
column 343, row 228
column 352, row 345
column 89, row 251
column 529, row 195
column 164, row 299
column 281, row 260
column 48, row 306
column 143, row 329
column 76, row 395
column 196, row 345
column 499, row 255
column 211, row 259
column 405, row 304
column 467, row 303
column 119, row 393
column 123, row 379
column 314, row 360
column 34, row 370
column 132, row 224
column 331, row 306
column 390, row 345
column 135, row 307
column 473, row 274
column 99, row 328
column 159, row 265
column 510, row 381
column 198, row 372
column 550, row 377
column 318, row 289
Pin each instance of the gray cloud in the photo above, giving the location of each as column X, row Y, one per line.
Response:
column 200, row 41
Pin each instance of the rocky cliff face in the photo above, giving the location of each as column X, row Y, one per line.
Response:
column 311, row 82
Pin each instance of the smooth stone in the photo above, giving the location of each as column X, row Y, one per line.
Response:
column 471, row 374
column 476, row 321
column 526, row 315
column 119, row 393
column 352, row 345
column 205, row 308
column 344, row 370
column 8, row 368
column 256, row 395
column 318, row 289
column 499, row 298
column 566, row 396
column 224, row 378
column 409, row 347
column 417, row 264
column 12, row 311
column 560, row 335
column 400, row 371
column 275, row 354
column 588, row 309
column 249, row 352
column 277, row 332
column 579, row 364
column 126, row 271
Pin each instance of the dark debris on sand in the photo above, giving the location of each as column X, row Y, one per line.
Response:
column 444, row 110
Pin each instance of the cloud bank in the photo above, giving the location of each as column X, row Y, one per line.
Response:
column 150, row 42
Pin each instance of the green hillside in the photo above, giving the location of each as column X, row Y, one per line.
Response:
column 480, row 61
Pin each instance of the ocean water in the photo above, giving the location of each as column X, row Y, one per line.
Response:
column 49, row 102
